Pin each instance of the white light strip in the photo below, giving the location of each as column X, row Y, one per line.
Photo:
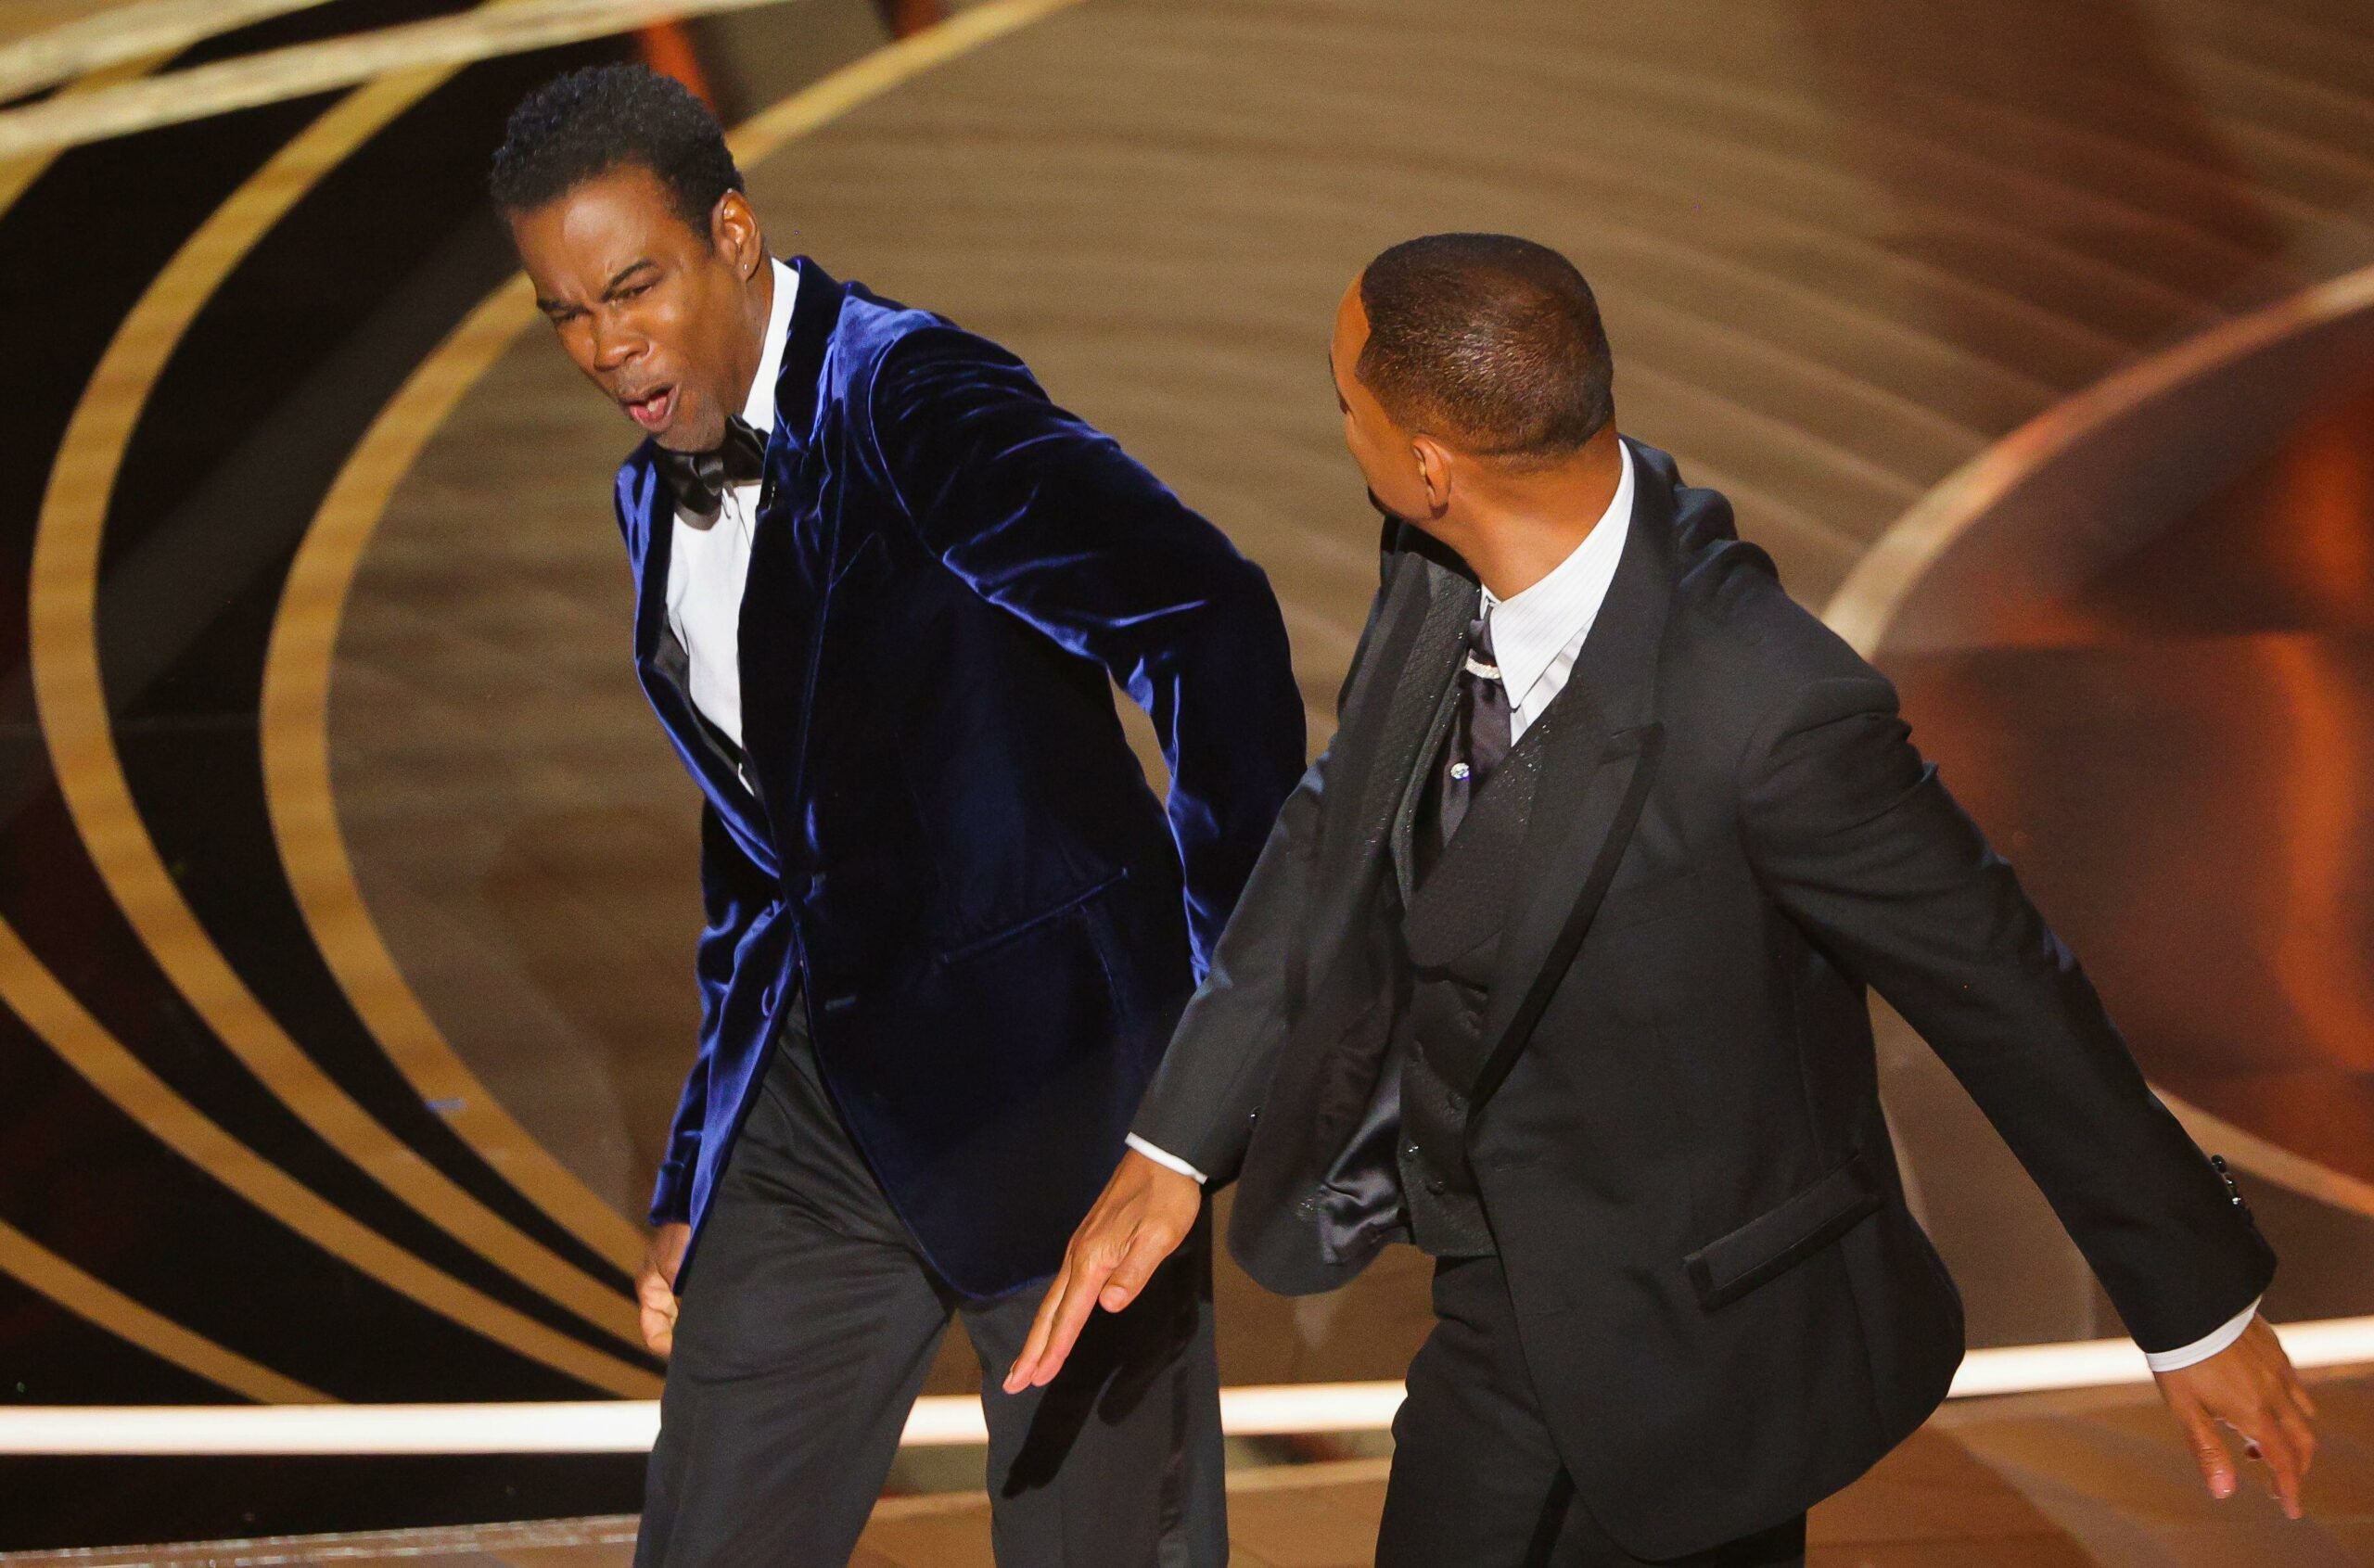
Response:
column 626, row 1426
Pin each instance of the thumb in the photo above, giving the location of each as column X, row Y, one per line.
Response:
column 2209, row 1452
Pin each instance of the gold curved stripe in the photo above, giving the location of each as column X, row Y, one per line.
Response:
column 295, row 729
column 1865, row 606
column 508, row 27
column 36, row 996
column 72, row 701
column 21, row 1257
column 102, row 1304
column 157, row 29
column 18, row 174
column 295, row 710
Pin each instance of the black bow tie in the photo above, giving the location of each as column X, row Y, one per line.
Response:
column 699, row 479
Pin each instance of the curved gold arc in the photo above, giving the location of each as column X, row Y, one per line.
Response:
column 72, row 701
column 295, row 734
column 21, row 1257
column 96, row 1301
column 50, row 1010
column 18, row 174
column 143, row 29
column 297, row 668
column 1865, row 606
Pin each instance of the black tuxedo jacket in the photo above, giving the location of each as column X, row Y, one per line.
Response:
column 949, row 847
column 1728, row 1310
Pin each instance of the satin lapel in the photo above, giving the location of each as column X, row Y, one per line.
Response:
column 792, row 551
column 1602, row 753
column 663, row 666
column 649, row 508
column 1420, row 680
column 1360, row 775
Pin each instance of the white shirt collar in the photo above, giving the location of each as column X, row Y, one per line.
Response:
column 759, row 407
column 1530, row 629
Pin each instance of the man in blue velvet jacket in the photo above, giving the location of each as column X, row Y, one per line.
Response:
column 883, row 585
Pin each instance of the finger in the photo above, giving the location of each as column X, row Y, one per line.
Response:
column 2282, row 1462
column 1042, row 1327
column 658, row 1329
column 1072, row 1314
column 2209, row 1452
column 2302, row 1436
column 1147, row 1250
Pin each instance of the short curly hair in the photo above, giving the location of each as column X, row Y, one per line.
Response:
column 582, row 125
column 1490, row 341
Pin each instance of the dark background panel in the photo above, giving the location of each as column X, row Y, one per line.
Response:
column 80, row 1501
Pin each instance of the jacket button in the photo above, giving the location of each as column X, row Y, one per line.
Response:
column 1436, row 1185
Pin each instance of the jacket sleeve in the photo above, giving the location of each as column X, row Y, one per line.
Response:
column 1200, row 1106
column 1855, row 838
column 1049, row 519
column 732, row 892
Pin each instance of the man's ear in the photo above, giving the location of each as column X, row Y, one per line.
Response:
column 733, row 229
column 1433, row 460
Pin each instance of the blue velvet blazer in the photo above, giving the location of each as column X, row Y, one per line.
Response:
column 944, row 837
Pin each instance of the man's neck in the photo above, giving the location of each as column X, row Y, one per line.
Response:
column 1519, row 526
column 758, row 308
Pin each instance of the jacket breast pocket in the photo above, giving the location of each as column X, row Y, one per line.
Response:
column 1785, row 1235
column 975, row 946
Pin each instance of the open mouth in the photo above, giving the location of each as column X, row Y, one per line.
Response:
column 652, row 409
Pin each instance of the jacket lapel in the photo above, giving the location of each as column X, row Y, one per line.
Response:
column 1602, row 759
column 791, row 550
column 1421, row 681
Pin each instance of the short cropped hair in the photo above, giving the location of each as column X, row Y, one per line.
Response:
column 1489, row 342
column 590, row 122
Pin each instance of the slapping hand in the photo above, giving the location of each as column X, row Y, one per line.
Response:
column 1143, row 1214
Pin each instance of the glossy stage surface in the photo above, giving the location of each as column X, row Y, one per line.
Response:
column 346, row 885
column 2038, row 1481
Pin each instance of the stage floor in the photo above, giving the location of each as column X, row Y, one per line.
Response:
column 2095, row 1479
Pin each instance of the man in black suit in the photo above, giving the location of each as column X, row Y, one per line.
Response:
column 1556, row 966
column 883, row 589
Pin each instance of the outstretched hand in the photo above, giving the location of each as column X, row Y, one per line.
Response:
column 2250, row 1387
column 1144, row 1211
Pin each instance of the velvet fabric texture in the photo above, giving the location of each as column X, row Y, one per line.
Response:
column 940, row 831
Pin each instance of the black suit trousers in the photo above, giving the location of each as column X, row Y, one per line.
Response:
column 806, row 1331
column 1476, row 1480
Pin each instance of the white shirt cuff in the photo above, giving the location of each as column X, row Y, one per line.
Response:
column 2202, row 1350
column 1169, row 1161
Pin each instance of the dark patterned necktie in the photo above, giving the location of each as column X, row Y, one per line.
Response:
column 1480, row 729
column 700, row 478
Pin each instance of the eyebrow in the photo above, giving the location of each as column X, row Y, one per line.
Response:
column 617, row 280
column 627, row 272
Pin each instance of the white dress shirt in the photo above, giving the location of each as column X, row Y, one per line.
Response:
column 1537, row 636
column 708, row 560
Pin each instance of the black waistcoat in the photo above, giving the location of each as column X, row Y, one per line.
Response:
column 1454, row 901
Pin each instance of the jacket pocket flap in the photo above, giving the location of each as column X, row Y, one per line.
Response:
column 1781, row 1238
